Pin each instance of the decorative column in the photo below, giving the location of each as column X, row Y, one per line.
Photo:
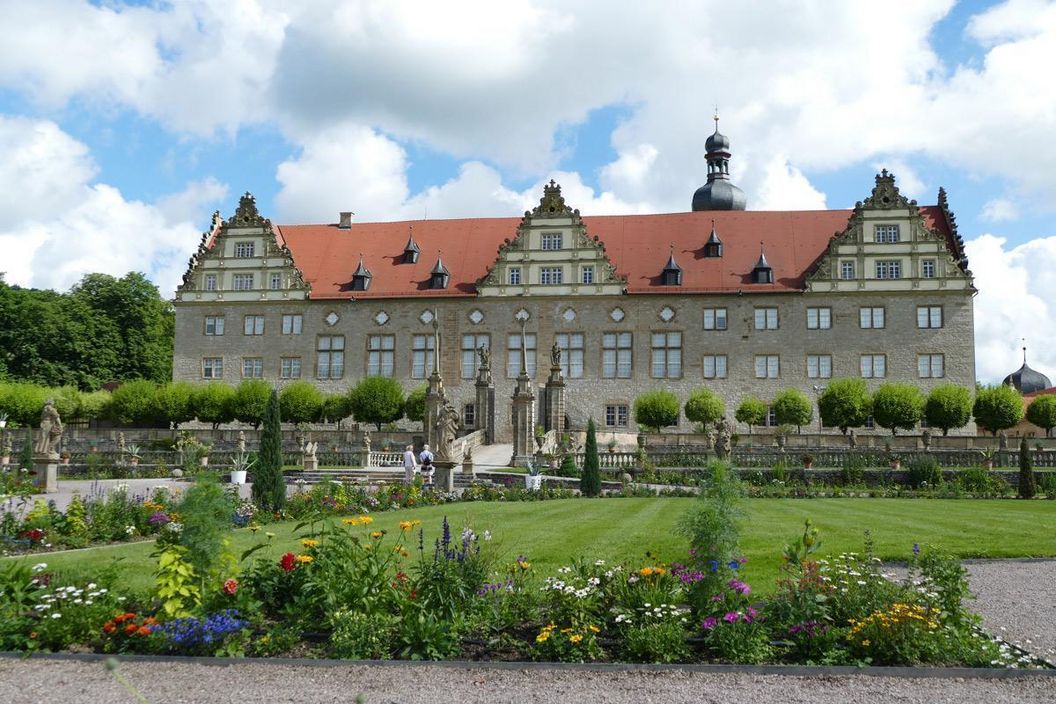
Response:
column 434, row 395
column 555, row 394
column 485, row 401
column 523, row 402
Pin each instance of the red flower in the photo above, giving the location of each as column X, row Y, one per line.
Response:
column 143, row 631
column 231, row 586
column 130, row 629
column 288, row 562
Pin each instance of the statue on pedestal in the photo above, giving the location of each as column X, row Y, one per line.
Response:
column 722, row 439
column 485, row 357
column 50, row 430
column 446, row 431
column 555, row 356
column 241, row 441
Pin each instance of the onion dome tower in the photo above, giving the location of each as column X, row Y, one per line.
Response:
column 1026, row 380
column 718, row 193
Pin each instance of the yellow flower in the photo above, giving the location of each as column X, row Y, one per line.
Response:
column 595, row 629
column 408, row 525
column 358, row 521
column 575, row 638
column 309, row 543
column 269, row 535
column 645, row 571
column 865, row 643
column 377, row 534
column 524, row 564
column 566, row 630
column 254, row 528
column 303, row 559
column 542, row 637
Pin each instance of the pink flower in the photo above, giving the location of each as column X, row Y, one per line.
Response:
column 731, row 617
column 709, row 623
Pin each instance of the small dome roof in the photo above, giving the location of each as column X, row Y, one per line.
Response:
column 717, row 142
column 1026, row 380
column 719, row 195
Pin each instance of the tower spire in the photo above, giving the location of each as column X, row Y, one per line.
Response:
column 718, row 193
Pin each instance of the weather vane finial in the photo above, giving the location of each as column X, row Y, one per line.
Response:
column 716, row 118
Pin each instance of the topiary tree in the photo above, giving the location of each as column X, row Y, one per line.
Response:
column 948, row 406
column 135, row 402
column 590, row 482
column 213, row 403
column 656, row 409
column 751, row 412
column 300, row 402
column 1042, row 413
column 250, row 401
column 792, row 407
column 269, row 486
column 377, row 400
column 705, row 407
column 175, row 402
column 95, row 405
column 1027, row 486
column 997, row 407
column 335, row 408
column 414, row 406
column 844, row 404
column 897, row 406
column 568, row 466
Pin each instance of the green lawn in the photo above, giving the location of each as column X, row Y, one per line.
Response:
column 550, row 533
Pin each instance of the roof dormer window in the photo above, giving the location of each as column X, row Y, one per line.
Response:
column 762, row 273
column 410, row 250
column 361, row 277
column 713, row 247
column 672, row 274
column 439, row 276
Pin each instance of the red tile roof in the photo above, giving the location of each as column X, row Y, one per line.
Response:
column 637, row 245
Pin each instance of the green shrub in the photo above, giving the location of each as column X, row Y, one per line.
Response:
column 923, row 470
column 705, row 407
column 853, row 471
column 135, row 402
column 206, row 512
column 897, row 406
column 711, row 525
column 948, row 406
column 997, row 407
column 661, row 642
column 1027, row 487
column 362, row 636
column 568, row 467
column 656, row 409
column 269, row 485
column 377, row 399
column 590, row 482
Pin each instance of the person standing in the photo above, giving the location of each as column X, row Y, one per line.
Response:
column 426, row 457
column 410, row 465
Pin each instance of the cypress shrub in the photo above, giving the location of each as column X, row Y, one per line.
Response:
column 1027, row 487
column 269, row 486
column 590, row 482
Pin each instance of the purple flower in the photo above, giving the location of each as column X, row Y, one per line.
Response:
column 158, row 518
column 740, row 587
column 718, row 597
column 714, row 565
column 733, row 564
column 731, row 617
column 916, row 548
column 709, row 623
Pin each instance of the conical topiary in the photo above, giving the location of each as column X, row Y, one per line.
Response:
column 590, row 482
column 269, row 486
column 1027, row 486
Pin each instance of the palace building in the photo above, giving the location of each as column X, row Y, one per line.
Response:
column 744, row 302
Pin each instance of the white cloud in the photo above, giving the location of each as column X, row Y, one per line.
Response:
column 784, row 187
column 1017, row 299
column 72, row 227
column 999, row 210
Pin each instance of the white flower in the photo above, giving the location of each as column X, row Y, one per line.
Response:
column 56, row 615
column 487, row 535
column 564, row 570
column 599, row 563
column 78, row 601
column 40, row 567
column 91, row 585
column 130, row 530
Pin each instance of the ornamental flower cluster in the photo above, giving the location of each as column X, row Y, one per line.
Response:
column 193, row 632
column 897, row 615
column 129, row 625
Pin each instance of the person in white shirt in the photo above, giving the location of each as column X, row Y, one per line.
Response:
column 410, row 465
column 426, row 457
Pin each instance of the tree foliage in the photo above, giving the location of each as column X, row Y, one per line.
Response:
column 269, row 486
column 656, row 409
column 948, row 406
column 414, row 406
column 1042, row 412
column 250, row 401
column 751, row 412
column 997, row 407
column 897, row 406
column 135, row 402
column 1028, row 488
column 175, row 402
column 300, row 402
column 335, row 408
column 590, row 481
column 377, row 400
column 845, row 403
column 792, row 407
column 705, row 407
column 213, row 403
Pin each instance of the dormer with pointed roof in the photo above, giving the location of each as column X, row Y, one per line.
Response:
column 439, row 276
column 672, row 274
column 762, row 273
column 361, row 277
column 713, row 247
column 411, row 250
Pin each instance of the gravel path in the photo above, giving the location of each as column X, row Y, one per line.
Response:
column 1017, row 600
column 24, row 681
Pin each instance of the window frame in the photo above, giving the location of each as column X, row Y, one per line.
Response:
column 892, row 233
column 850, row 264
column 240, row 280
column 888, row 269
column 930, row 358
column 768, row 316
column 570, row 353
column 619, row 413
column 470, row 354
column 240, row 252
column 872, row 317
column 929, row 269
column 286, row 367
column 715, row 314
column 619, row 351
column 255, row 329
column 513, row 369
column 670, row 354
column 427, row 353
column 772, row 361
column 933, row 317
column 382, row 354
column 257, row 366
column 586, row 274
column 295, row 324
column 514, row 272
column 215, row 365
column 822, row 314
column 217, row 325
column 715, row 358
column 548, row 239
column 872, row 366
column 551, row 275
column 334, row 355
column 819, row 366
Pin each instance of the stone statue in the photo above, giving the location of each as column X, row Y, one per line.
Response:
column 241, row 441
column 446, row 430
column 50, row 429
column 366, row 440
column 310, row 448
column 555, row 356
column 1002, row 440
column 722, row 439
column 852, row 438
column 485, row 357
column 925, row 439
column 121, row 443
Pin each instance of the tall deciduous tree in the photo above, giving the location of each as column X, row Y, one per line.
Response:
column 590, row 482
column 269, row 486
column 213, row 403
column 845, row 403
column 1042, row 412
column 377, row 400
column 948, row 406
column 997, row 407
column 176, row 402
column 897, row 406
column 414, row 406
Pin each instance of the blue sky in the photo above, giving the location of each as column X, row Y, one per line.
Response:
column 153, row 114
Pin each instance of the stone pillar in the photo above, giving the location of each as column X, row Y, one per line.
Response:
column 444, row 475
column 555, row 395
column 485, row 400
column 434, row 395
column 46, row 467
column 523, row 420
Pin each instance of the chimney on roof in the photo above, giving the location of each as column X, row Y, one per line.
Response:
column 345, row 220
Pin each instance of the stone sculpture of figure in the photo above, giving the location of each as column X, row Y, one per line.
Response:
column 925, row 439
column 310, row 448
column 241, row 441
column 485, row 357
column 366, row 440
column 852, row 438
column 722, row 440
column 50, row 429
column 121, row 443
column 446, row 430
column 555, row 356
column 1002, row 440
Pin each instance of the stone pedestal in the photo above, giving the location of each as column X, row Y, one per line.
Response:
column 467, row 463
column 485, row 404
column 46, row 467
column 555, row 401
column 523, row 426
column 310, row 463
column 434, row 401
column 444, row 475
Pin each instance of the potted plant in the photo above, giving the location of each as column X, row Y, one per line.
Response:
column 133, row 455
column 612, row 444
column 533, row 481
column 65, row 457
column 988, row 457
column 896, row 462
column 240, row 465
column 808, row 461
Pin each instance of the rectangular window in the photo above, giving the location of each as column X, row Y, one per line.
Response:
column 819, row 366
column 470, row 356
column 275, row 281
column 587, row 274
column 210, row 282
column 213, row 368
column 214, row 325
column 552, row 240
column 242, row 282
column 571, row 346
column 889, row 269
column 847, row 269
column 550, row 275
column 469, row 415
column 616, row 355
column 874, row 366
column 931, row 366
column 291, row 324
column 767, row 366
column 513, row 354
column 870, row 318
column 290, row 367
column 380, row 353
column 927, row 269
column 714, row 318
column 422, row 349
column 515, row 275
column 330, row 357
column 667, row 355
column 252, row 368
column 616, row 415
column 819, row 318
column 886, row 233
column 714, row 366
column 766, row 318
column 253, row 325
column 929, row 316
column 771, row 417
column 244, row 249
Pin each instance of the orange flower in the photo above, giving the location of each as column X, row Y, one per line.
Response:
column 109, row 627
column 130, row 629
column 377, row 534
column 150, row 621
